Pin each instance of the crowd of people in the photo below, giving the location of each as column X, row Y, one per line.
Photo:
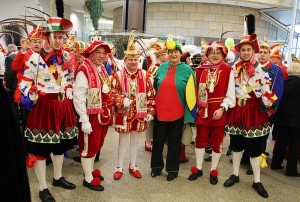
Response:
column 83, row 89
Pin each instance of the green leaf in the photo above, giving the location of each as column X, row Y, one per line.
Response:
column 95, row 9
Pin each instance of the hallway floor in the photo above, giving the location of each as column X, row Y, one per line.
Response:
column 280, row 187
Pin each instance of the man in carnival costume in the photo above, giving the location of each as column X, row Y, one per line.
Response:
column 277, row 57
column 247, row 123
column 32, row 44
column 46, row 89
column 156, row 54
column 276, row 75
column 93, row 103
column 134, row 107
column 216, row 94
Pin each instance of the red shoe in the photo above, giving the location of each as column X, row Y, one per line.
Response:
column 135, row 172
column 118, row 173
column 184, row 159
column 149, row 149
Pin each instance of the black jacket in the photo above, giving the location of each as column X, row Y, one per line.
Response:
column 288, row 112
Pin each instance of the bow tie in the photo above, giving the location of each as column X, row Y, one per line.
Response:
column 56, row 57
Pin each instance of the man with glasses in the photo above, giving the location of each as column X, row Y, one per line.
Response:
column 216, row 94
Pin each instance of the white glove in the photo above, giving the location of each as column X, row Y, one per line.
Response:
column 69, row 93
column 266, row 102
column 33, row 96
column 86, row 127
column 149, row 118
column 127, row 102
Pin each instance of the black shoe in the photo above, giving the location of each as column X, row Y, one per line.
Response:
column 171, row 176
column 213, row 179
column 195, row 176
column 155, row 173
column 260, row 189
column 77, row 159
column 62, row 182
column 276, row 167
column 101, row 177
column 92, row 187
column 208, row 159
column 46, row 196
column 249, row 171
column 231, row 181
column 293, row 174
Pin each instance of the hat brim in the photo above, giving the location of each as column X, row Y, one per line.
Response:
column 254, row 45
column 89, row 50
column 66, row 24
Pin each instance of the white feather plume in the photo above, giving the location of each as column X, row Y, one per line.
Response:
column 192, row 49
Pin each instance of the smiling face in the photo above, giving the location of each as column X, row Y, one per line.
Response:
column 131, row 64
column 174, row 56
column 215, row 56
column 98, row 56
column 56, row 40
column 246, row 52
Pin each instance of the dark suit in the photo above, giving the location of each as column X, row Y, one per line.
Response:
column 11, row 82
column 287, row 122
column 14, row 157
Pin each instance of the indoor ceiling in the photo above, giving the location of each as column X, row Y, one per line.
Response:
column 283, row 14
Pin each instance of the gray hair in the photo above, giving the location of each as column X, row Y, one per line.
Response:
column 294, row 69
column 11, row 48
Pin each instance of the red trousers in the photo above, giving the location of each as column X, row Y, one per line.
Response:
column 212, row 135
column 95, row 139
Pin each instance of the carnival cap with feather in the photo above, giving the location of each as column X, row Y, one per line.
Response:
column 155, row 49
column 264, row 44
column 37, row 34
column 216, row 45
column 131, row 51
column 86, row 53
column 73, row 44
column 249, row 36
column 275, row 52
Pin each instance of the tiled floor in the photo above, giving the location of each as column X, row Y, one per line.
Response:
column 279, row 187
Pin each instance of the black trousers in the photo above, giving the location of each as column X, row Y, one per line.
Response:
column 171, row 134
column 286, row 138
column 254, row 147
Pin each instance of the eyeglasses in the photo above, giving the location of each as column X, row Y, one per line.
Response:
column 215, row 53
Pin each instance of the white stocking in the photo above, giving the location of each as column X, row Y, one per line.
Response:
column 134, row 143
column 87, row 168
column 215, row 157
column 199, row 157
column 57, row 161
column 255, row 163
column 148, row 135
column 236, row 161
column 123, row 145
column 40, row 171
